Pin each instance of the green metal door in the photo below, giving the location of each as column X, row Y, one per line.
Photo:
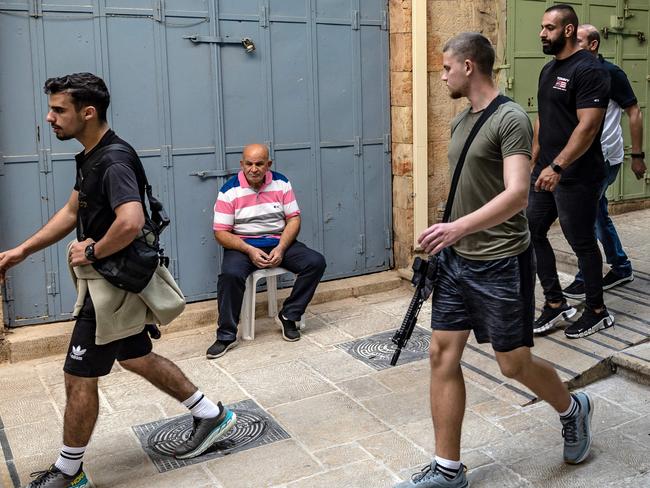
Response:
column 620, row 22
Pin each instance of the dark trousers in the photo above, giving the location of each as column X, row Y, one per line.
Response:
column 306, row 263
column 576, row 206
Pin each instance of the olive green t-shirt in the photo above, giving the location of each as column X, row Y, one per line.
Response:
column 507, row 132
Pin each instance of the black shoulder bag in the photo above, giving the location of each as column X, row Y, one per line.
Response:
column 131, row 268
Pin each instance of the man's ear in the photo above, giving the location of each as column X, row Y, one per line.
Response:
column 569, row 29
column 270, row 163
column 469, row 67
column 89, row 112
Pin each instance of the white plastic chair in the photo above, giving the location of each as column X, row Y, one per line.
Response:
column 247, row 321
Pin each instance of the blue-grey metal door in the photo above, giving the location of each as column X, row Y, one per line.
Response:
column 188, row 96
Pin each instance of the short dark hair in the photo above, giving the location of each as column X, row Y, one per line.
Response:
column 568, row 16
column 473, row 46
column 84, row 89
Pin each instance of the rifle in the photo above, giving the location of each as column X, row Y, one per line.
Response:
column 424, row 273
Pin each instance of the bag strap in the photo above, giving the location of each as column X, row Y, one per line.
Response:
column 489, row 110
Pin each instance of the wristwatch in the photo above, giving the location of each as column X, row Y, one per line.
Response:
column 640, row 155
column 556, row 167
column 90, row 252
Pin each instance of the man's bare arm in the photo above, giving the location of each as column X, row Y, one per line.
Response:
column 503, row 206
column 589, row 122
column 535, row 148
column 129, row 220
column 59, row 226
column 636, row 135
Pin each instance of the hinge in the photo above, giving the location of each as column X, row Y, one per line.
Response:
column 8, row 290
column 264, row 17
column 355, row 20
column 384, row 20
column 166, row 155
column 269, row 144
column 387, row 144
column 46, row 160
column 357, row 146
column 35, row 8
column 159, row 10
column 509, row 82
column 388, row 241
column 51, row 283
column 2, row 165
column 362, row 244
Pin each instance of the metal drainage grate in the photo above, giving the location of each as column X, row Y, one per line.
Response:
column 377, row 350
column 254, row 428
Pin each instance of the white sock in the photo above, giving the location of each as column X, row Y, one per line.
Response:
column 70, row 459
column 572, row 410
column 201, row 406
column 448, row 468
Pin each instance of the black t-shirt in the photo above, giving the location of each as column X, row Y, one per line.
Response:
column 620, row 90
column 118, row 185
column 566, row 85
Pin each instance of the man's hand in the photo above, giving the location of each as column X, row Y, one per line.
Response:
column 547, row 180
column 258, row 257
column 10, row 258
column 638, row 167
column 275, row 257
column 77, row 256
column 438, row 236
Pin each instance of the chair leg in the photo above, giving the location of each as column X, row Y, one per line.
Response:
column 246, row 323
column 272, row 295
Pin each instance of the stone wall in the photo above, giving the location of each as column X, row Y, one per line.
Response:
column 446, row 18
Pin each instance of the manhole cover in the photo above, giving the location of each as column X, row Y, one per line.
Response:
column 254, row 428
column 377, row 350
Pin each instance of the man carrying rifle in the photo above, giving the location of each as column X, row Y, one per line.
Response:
column 486, row 274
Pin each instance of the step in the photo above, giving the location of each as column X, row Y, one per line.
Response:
column 31, row 342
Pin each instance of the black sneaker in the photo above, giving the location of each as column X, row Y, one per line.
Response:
column 206, row 432
column 551, row 316
column 575, row 290
column 611, row 279
column 289, row 330
column 219, row 348
column 55, row 478
column 589, row 323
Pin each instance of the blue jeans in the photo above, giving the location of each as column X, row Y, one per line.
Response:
column 606, row 232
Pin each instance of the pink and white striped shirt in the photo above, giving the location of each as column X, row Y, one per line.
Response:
column 258, row 217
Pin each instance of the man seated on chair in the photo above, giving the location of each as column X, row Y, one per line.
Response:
column 257, row 220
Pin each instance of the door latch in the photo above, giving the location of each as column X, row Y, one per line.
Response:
column 246, row 42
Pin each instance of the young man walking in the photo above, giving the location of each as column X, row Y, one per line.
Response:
column 622, row 99
column 112, row 216
column 486, row 273
column 568, row 170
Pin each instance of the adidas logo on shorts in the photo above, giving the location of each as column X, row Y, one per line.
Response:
column 77, row 353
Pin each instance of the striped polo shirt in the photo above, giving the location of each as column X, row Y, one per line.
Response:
column 259, row 216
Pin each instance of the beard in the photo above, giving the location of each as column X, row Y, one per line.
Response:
column 455, row 94
column 63, row 137
column 555, row 46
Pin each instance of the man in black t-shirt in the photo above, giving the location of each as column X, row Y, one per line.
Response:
column 108, row 214
column 622, row 99
column 568, row 169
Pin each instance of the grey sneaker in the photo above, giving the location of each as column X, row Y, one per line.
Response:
column 219, row 348
column 289, row 330
column 429, row 477
column 577, row 431
column 54, row 478
column 205, row 432
column 552, row 316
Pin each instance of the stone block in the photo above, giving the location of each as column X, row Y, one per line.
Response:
column 351, row 476
column 337, row 365
column 402, row 192
column 401, row 58
column 401, row 121
column 394, row 451
column 400, row 16
column 335, row 457
column 401, row 88
column 402, row 160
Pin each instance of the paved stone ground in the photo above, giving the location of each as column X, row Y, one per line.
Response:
column 350, row 425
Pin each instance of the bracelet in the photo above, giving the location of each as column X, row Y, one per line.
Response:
column 640, row 155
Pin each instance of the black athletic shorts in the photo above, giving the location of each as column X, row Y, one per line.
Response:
column 495, row 299
column 89, row 360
